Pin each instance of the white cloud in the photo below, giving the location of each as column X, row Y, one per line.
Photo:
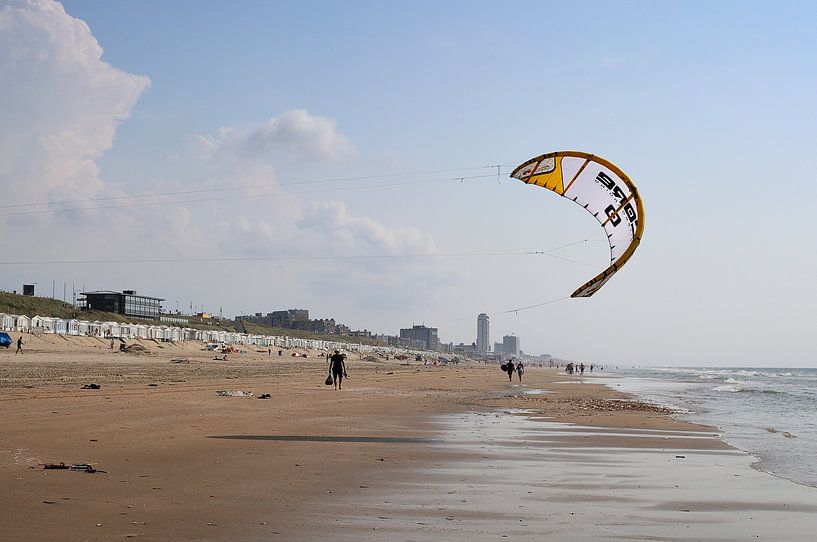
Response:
column 345, row 232
column 61, row 103
column 295, row 133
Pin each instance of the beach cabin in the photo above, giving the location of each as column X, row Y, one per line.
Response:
column 60, row 326
column 48, row 324
column 114, row 330
column 36, row 323
column 155, row 333
column 6, row 321
column 141, row 331
column 95, row 328
column 175, row 334
column 22, row 323
column 72, row 326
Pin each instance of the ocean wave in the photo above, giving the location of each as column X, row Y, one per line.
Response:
column 728, row 387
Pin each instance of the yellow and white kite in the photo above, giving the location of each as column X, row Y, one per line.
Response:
column 603, row 190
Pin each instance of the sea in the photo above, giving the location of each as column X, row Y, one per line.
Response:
column 769, row 413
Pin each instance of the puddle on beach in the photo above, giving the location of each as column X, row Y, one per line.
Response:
column 536, row 392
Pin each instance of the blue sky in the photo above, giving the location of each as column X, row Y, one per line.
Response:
column 709, row 108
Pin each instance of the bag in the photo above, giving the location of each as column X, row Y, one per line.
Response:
column 329, row 380
column 504, row 367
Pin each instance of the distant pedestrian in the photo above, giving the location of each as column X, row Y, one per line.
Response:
column 520, row 370
column 511, row 369
column 19, row 345
column 337, row 365
column 581, row 368
column 591, row 367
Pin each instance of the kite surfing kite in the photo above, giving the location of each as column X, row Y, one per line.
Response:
column 603, row 190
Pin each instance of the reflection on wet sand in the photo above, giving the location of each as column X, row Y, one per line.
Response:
column 511, row 476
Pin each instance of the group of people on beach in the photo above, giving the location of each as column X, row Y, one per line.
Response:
column 570, row 368
column 510, row 368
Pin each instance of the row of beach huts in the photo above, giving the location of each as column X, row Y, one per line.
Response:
column 116, row 330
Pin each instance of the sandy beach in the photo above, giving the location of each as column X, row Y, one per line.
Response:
column 403, row 452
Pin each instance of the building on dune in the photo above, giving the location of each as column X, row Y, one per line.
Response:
column 126, row 303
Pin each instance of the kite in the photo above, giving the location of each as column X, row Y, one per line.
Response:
column 603, row 190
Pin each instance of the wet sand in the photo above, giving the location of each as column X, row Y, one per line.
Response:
column 511, row 476
column 402, row 452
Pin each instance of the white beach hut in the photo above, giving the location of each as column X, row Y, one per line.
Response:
column 36, row 323
column 72, row 326
column 114, row 329
column 6, row 321
column 22, row 323
column 48, row 323
column 84, row 327
column 142, row 331
column 60, row 326
column 95, row 328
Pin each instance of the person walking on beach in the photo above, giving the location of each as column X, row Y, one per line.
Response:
column 337, row 365
column 581, row 368
column 520, row 370
column 19, row 345
column 511, row 369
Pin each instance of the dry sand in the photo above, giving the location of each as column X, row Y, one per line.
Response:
column 403, row 452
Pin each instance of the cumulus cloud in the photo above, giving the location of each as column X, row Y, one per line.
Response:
column 295, row 133
column 61, row 103
column 324, row 233
column 345, row 232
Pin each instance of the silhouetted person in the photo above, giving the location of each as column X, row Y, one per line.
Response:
column 511, row 369
column 19, row 345
column 520, row 370
column 581, row 368
column 337, row 365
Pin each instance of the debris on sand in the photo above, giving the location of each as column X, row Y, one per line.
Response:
column 264, row 396
column 234, row 393
column 179, row 360
column 81, row 467
column 90, row 387
column 134, row 348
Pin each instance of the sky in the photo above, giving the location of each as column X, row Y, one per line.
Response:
column 301, row 150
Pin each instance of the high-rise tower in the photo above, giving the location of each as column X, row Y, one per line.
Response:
column 483, row 334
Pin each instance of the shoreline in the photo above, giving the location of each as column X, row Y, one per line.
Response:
column 691, row 397
column 166, row 477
